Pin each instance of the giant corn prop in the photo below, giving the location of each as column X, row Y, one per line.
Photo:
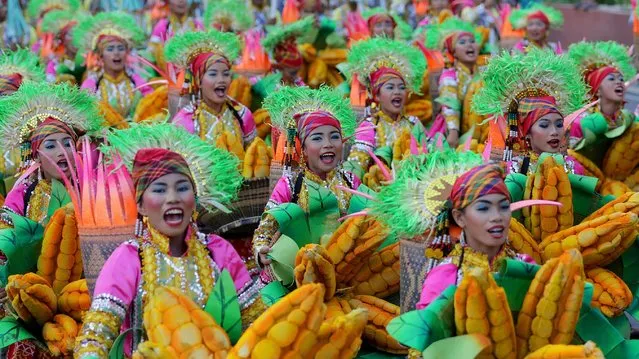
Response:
column 240, row 90
column 560, row 351
column 522, row 241
column 380, row 313
column 32, row 297
column 59, row 334
column 257, row 160
column 313, row 265
column 611, row 294
column 379, row 276
column 623, row 156
column 340, row 337
column 74, row 300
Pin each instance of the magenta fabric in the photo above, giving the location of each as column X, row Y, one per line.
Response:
column 184, row 118
column 282, row 190
column 15, row 198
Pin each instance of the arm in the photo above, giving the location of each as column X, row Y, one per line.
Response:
column 184, row 119
column 91, row 83
column 364, row 141
column 139, row 81
column 249, row 130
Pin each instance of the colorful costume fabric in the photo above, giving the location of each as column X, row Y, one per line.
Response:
column 551, row 17
column 167, row 28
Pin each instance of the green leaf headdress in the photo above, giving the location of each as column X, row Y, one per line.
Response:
column 57, row 20
column 213, row 170
column 519, row 17
column 34, row 102
column 231, row 14
column 366, row 57
column 37, row 8
column 282, row 33
column 87, row 34
column 23, row 62
column 403, row 30
column 436, row 35
column 181, row 50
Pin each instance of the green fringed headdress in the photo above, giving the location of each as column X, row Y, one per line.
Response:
column 519, row 17
column 34, row 102
column 436, row 35
column 281, row 33
column 591, row 56
column 231, row 14
column 213, row 170
column 87, row 33
column 57, row 20
column 37, row 8
column 366, row 57
column 181, row 50
column 403, row 30
column 23, row 62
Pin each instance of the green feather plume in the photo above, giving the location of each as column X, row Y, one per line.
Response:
column 182, row 49
column 288, row 101
column 35, row 8
column 24, row 62
column 436, row 35
column 590, row 55
column 115, row 23
column 367, row 56
column 25, row 109
column 214, row 171
column 507, row 75
column 55, row 20
column 411, row 203
column 268, row 84
column 519, row 17
column 403, row 30
column 233, row 12
column 280, row 33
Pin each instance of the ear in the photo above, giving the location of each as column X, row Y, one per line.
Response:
column 459, row 218
column 141, row 209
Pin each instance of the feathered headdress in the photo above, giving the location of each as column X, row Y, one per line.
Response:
column 87, row 34
column 213, row 170
column 366, row 57
column 23, row 62
column 403, row 30
column 282, row 33
column 230, row 15
column 34, row 102
column 54, row 21
column 591, row 56
column 519, row 18
column 182, row 49
column 37, row 8
column 436, row 35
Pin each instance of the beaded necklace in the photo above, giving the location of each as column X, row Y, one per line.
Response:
column 210, row 124
column 38, row 205
column 117, row 92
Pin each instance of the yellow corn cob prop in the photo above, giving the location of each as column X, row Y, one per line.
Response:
column 340, row 337
column 481, row 307
column 334, row 77
column 157, row 102
column 228, row 141
column 111, row 117
column 611, row 294
column 632, row 181
column 401, row 146
column 592, row 170
column 60, row 334
column 628, row 238
column 175, row 323
column 613, row 187
column 522, row 241
column 257, row 160
column 262, row 122
column 420, row 108
column 317, row 73
column 628, row 202
column 240, row 90
column 336, row 307
column 352, row 243
column 559, row 351
column 32, row 298
column 60, row 254
column 313, row 265
column 333, row 57
column 380, row 312
column 551, row 307
column 374, row 178
column 596, row 239
column 623, row 156
column 550, row 182
column 74, row 299
column 379, row 276
column 287, row 329
column 308, row 51
column 150, row 350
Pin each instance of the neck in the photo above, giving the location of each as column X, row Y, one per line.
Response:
column 539, row 43
column 394, row 117
column 113, row 73
column 490, row 251
column 319, row 174
column 216, row 107
column 177, row 245
column 470, row 66
column 607, row 107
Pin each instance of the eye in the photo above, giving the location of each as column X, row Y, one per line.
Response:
column 482, row 207
column 336, row 136
column 504, row 205
column 49, row 146
column 543, row 124
column 402, row 87
column 227, row 73
column 316, row 138
column 184, row 188
column 158, row 190
column 559, row 123
column 67, row 143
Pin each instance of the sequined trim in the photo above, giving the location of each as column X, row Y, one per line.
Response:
column 110, row 304
column 248, row 294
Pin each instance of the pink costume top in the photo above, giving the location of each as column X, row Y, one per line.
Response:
column 166, row 28
column 236, row 119
column 123, row 284
column 118, row 92
column 28, row 198
column 522, row 46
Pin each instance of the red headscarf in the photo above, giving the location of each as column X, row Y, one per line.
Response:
column 203, row 62
column 48, row 127
column 377, row 18
column 531, row 109
column 287, row 55
column 477, row 182
column 451, row 40
column 309, row 121
column 150, row 164
column 595, row 78
column 539, row 15
column 10, row 83
column 382, row 75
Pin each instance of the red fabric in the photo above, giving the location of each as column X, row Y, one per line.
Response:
column 381, row 76
column 26, row 349
column 48, row 127
column 10, row 83
column 104, row 39
column 309, row 121
column 596, row 77
column 377, row 18
column 478, row 182
column 452, row 39
column 539, row 15
column 287, row 55
column 150, row 164
column 531, row 109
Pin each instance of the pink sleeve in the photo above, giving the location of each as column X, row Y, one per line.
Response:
column 281, row 192
column 184, row 118
column 575, row 129
column 248, row 123
column 159, row 31
column 519, row 47
column 199, row 26
column 50, row 71
column 356, row 182
column 15, row 198
column 139, row 81
column 91, row 84
column 578, row 168
column 437, row 280
column 365, row 134
column 120, row 274
column 227, row 258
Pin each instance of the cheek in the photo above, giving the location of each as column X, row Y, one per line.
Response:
column 152, row 203
column 312, row 150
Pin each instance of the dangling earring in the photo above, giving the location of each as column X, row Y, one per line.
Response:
column 139, row 226
column 462, row 238
column 39, row 174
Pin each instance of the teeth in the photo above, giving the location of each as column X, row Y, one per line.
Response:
column 174, row 211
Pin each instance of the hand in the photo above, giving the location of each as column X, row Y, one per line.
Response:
column 263, row 255
column 453, row 138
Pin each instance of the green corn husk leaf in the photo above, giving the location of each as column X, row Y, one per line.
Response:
column 365, row 57
column 35, row 101
column 214, row 171
column 590, row 55
column 436, row 35
column 233, row 12
column 519, row 17
column 507, row 75
column 23, row 62
column 280, row 33
column 183, row 48
column 284, row 103
column 35, row 8
column 114, row 23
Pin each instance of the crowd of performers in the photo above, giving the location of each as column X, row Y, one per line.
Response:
column 314, row 179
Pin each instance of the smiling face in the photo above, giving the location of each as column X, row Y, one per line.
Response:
column 169, row 203
column 466, row 50
column 485, row 222
column 536, row 30
column 215, row 84
column 178, row 7
column 384, row 27
column 323, row 149
column 392, row 97
column 547, row 133
column 114, row 56
column 54, row 147
column 612, row 88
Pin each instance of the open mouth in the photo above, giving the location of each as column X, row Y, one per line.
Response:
column 117, row 61
column 63, row 164
column 327, row 158
column 470, row 52
column 497, row 232
column 619, row 90
column 553, row 143
column 220, row 91
column 174, row 217
column 397, row 102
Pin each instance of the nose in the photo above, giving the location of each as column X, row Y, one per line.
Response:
column 172, row 196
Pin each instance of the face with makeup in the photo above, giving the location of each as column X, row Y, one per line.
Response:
column 114, row 55
column 322, row 149
column 384, row 28
column 55, row 146
column 485, row 222
column 438, row 5
column 178, row 7
column 536, row 30
column 466, row 50
column 612, row 88
column 547, row 133
column 392, row 97
column 169, row 203
column 215, row 84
